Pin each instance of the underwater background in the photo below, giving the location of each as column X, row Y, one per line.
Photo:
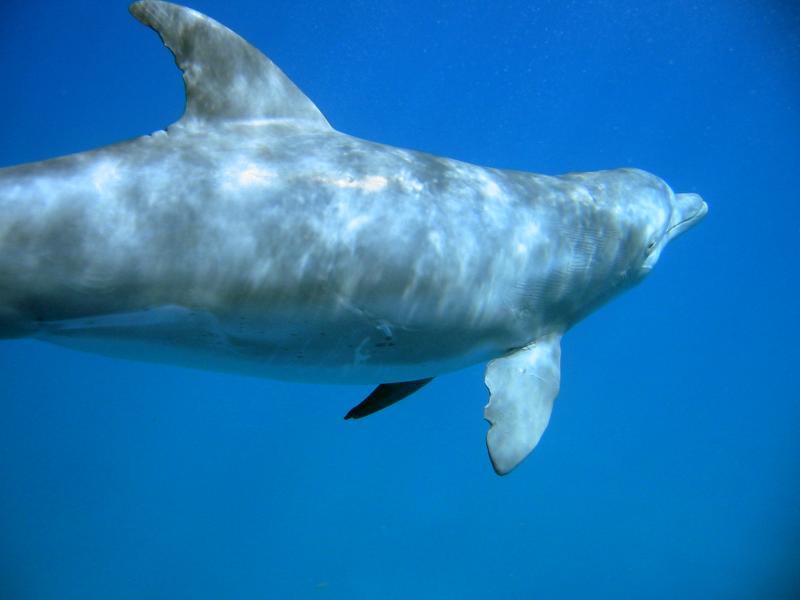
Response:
column 671, row 466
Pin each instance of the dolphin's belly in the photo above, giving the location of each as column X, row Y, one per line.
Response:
column 349, row 350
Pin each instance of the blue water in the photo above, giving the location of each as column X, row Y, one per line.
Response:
column 671, row 467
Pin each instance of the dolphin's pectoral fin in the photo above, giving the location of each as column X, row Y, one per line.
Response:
column 522, row 386
column 385, row 395
column 225, row 77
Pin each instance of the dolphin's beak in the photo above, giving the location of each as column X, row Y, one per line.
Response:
column 688, row 210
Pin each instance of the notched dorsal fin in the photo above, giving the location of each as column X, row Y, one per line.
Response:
column 225, row 77
column 385, row 395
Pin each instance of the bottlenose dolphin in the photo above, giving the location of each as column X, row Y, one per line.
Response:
column 251, row 236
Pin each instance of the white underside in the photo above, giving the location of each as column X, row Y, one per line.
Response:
column 291, row 351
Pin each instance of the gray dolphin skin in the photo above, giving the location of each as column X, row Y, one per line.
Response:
column 252, row 237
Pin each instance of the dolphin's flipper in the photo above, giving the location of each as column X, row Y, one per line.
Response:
column 225, row 77
column 522, row 386
column 385, row 395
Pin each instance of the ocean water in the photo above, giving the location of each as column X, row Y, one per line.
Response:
column 671, row 466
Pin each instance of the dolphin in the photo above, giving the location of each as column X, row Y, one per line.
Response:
column 252, row 237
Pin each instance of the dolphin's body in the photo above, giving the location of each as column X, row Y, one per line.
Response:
column 252, row 237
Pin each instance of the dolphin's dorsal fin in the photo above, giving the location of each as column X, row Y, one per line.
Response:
column 225, row 77
column 522, row 387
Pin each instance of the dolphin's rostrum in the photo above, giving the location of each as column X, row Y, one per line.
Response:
column 252, row 237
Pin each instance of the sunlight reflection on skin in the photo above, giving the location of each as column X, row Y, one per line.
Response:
column 245, row 241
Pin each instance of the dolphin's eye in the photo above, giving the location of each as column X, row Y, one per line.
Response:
column 651, row 245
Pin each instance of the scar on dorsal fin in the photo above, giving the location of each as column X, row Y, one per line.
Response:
column 385, row 395
column 224, row 76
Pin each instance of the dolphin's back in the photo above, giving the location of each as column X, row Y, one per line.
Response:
column 393, row 240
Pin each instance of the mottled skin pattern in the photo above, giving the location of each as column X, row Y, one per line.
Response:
column 252, row 237
column 317, row 251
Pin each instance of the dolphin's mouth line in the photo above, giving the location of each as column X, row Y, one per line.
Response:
column 688, row 221
column 679, row 223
